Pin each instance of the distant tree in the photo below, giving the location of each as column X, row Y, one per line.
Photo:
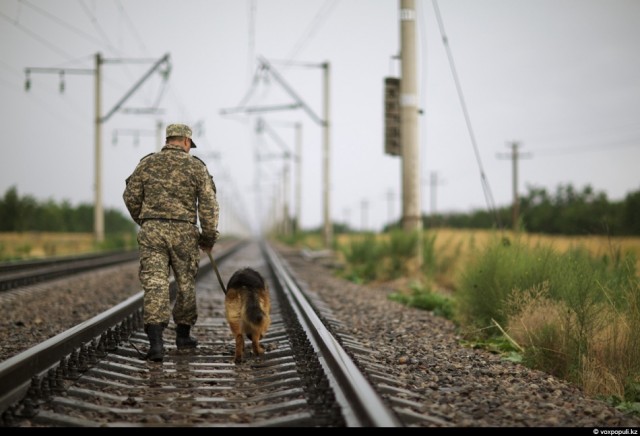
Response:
column 630, row 215
column 9, row 210
column 116, row 222
column 568, row 211
column 26, row 214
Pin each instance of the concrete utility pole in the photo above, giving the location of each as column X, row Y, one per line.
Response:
column 324, row 123
column 98, row 213
column 514, row 156
column 298, row 194
column 286, row 220
column 98, row 207
column 160, row 139
column 326, row 187
column 364, row 208
column 390, row 199
column 346, row 213
column 411, row 211
column 434, row 182
column 262, row 125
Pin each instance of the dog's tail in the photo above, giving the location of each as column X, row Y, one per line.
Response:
column 254, row 313
column 250, row 280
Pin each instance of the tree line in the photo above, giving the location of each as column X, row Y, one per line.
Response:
column 567, row 212
column 25, row 213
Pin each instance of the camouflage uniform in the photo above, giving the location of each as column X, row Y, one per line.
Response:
column 166, row 194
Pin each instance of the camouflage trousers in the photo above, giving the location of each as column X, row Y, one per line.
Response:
column 166, row 245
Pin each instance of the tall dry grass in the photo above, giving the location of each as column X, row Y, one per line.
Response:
column 570, row 303
column 14, row 245
column 602, row 355
column 33, row 245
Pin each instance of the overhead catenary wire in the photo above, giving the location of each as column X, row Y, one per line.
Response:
column 104, row 41
column 95, row 23
column 634, row 142
column 37, row 37
column 319, row 19
column 483, row 178
column 132, row 27
column 264, row 68
column 65, row 24
column 251, row 52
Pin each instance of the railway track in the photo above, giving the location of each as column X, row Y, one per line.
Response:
column 94, row 374
column 21, row 273
column 399, row 359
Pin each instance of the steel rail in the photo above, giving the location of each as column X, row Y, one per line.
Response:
column 15, row 275
column 25, row 370
column 29, row 379
column 361, row 405
column 23, row 265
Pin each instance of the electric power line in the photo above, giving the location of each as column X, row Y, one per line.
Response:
column 37, row 37
column 587, row 148
column 132, row 27
column 65, row 24
column 320, row 17
column 483, row 178
column 95, row 23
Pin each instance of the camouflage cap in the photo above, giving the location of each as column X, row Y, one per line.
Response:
column 180, row 130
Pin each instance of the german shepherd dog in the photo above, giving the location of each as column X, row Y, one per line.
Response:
column 248, row 310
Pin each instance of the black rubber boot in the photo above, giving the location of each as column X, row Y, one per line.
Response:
column 156, row 344
column 183, row 340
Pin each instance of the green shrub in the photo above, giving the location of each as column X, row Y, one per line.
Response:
column 399, row 251
column 425, row 299
column 363, row 258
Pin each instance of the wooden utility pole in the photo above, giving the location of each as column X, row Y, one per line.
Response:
column 514, row 156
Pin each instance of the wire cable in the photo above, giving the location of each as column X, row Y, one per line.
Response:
column 483, row 178
column 95, row 23
column 586, row 148
column 252, row 37
column 37, row 37
column 319, row 19
column 63, row 23
column 132, row 27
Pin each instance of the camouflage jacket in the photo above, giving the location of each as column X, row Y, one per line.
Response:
column 172, row 184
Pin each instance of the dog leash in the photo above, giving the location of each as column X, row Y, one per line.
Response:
column 215, row 267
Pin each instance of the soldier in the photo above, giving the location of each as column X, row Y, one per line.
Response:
column 166, row 195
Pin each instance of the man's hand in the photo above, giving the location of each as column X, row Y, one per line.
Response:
column 206, row 248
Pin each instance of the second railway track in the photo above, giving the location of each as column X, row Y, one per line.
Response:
column 21, row 273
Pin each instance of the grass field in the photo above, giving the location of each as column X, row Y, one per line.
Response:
column 33, row 245
column 448, row 242
column 464, row 243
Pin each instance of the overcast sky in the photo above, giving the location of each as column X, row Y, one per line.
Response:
column 561, row 77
